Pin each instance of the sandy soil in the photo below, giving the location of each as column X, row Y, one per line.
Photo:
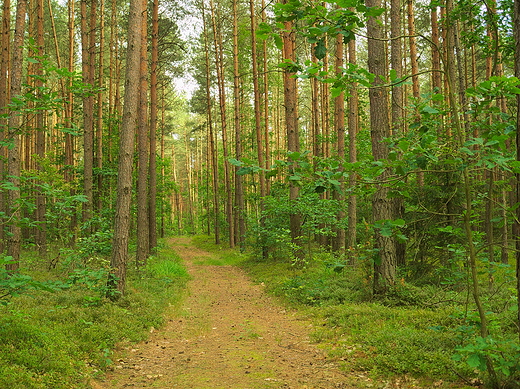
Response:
column 226, row 334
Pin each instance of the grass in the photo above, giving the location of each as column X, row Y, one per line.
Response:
column 412, row 332
column 59, row 340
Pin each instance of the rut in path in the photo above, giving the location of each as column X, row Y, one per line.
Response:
column 226, row 334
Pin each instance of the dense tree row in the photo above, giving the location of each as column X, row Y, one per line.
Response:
column 69, row 123
column 381, row 132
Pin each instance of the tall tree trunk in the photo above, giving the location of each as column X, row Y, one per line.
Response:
column 119, row 257
column 5, row 56
column 87, row 31
column 219, row 62
column 397, row 103
column 291, row 123
column 14, row 124
column 413, row 49
column 262, row 138
column 338, row 243
column 100, row 99
column 385, row 261
column 265, row 101
column 239, row 187
column 152, row 207
column 353, row 129
column 213, row 151
column 143, row 230
column 516, row 226
column 41, row 231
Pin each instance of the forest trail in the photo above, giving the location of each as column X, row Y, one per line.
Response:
column 227, row 333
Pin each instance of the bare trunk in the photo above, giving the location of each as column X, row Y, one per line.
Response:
column 213, row 152
column 239, row 189
column 41, row 231
column 353, row 128
column 219, row 62
column 153, row 129
column 118, row 261
column 14, row 124
column 88, row 110
column 4, row 98
column 291, row 122
column 338, row 243
column 143, row 231
column 385, row 261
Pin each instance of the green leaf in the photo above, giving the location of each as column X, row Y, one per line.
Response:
column 320, row 50
column 244, row 170
column 429, row 110
column 278, row 41
column 477, row 361
column 235, row 162
column 336, row 92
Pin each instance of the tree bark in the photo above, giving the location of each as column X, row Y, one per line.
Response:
column 291, row 123
column 5, row 57
column 239, row 187
column 213, row 152
column 338, row 243
column 385, row 261
column 13, row 155
column 143, row 230
column 153, row 129
column 119, row 257
column 516, row 225
column 353, row 129
column 219, row 63
column 87, row 31
column 41, row 231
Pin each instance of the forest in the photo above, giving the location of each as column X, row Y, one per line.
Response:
column 361, row 157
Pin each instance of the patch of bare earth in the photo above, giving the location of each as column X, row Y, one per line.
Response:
column 226, row 334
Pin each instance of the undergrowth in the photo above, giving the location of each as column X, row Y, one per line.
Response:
column 59, row 340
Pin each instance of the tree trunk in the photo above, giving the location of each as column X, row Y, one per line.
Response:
column 353, row 129
column 291, row 123
column 213, row 152
column 239, row 187
column 119, row 257
column 413, row 49
column 153, row 129
column 88, row 110
column 41, row 230
column 100, row 99
column 338, row 243
column 5, row 56
column 219, row 63
column 143, row 230
column 385, row 261
column 13, row 155
column 516, row 226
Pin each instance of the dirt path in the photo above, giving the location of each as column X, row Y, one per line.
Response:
column 227, row 334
